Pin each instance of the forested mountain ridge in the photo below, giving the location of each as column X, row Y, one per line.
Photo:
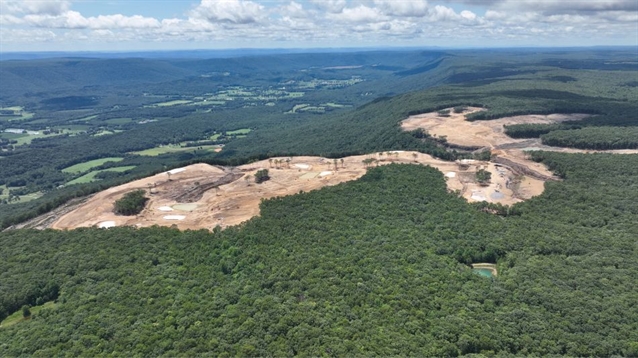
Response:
column 373, row 267
column 504, row 82
column 42, row 76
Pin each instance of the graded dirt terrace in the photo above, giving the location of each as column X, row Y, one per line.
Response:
column 484, row 133
column 490, row 134
column 202, row 196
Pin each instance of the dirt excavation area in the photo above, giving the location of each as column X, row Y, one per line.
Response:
column 490, row 135
column 485, row 133
column 202, row 196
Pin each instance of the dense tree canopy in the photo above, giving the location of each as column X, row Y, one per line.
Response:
column 131, row 203
column 377, row 266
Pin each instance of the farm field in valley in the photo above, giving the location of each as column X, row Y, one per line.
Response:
column 153, row 152
column 90, row 176
column 86, row 166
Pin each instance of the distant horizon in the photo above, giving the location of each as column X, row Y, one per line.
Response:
column 138, row 25
column 21, row 55
column 389, row 47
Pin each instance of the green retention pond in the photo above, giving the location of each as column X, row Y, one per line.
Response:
column 485, row 269
column 483, row 272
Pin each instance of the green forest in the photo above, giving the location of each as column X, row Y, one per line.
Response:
column 380, row 266
column 373, row 267
column 594, row 138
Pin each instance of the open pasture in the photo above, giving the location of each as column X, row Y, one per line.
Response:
column 165, row 149
column 241, row 131
column 90, row 176
column 86, row 166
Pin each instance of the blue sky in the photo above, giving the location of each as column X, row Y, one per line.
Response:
column 115, row 25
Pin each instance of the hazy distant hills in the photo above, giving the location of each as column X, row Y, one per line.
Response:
column 199, row 54
column 41, row 76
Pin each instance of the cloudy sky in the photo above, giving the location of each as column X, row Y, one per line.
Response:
column 117, row 25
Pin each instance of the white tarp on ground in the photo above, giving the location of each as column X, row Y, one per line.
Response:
column 106, row 224
column 451, row 175
column 326, row 173
column 175, row 171
column 478, row 196
column 165, row 208
column 174, row 217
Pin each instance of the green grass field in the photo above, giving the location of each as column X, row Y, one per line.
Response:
column 86, row 166
column 335, row 105
column 298, row 107
column 22, row 117
column 313, row 109
column 107, row 132
column 85, row 119
column 19, row 114
column 153, row 152
column 7, row 135
column 29, row 197
column 22, row 198
column 171, row 103
column 16, row 317
column 208, row 103
column 239, row 131
column 90, row 177
column 24, row 138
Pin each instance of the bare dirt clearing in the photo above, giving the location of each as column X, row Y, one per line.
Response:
column 490, row 134
column 487, row 133
column 203, row 196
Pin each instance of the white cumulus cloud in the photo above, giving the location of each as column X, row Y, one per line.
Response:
column 309, row 23
column 50, row 7
column 408, row 8
column 75, row 20
column 359, row 14
column 229, row 11
column 331, row 6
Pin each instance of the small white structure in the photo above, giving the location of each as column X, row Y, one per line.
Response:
column 165, row 208
column 326, row 173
